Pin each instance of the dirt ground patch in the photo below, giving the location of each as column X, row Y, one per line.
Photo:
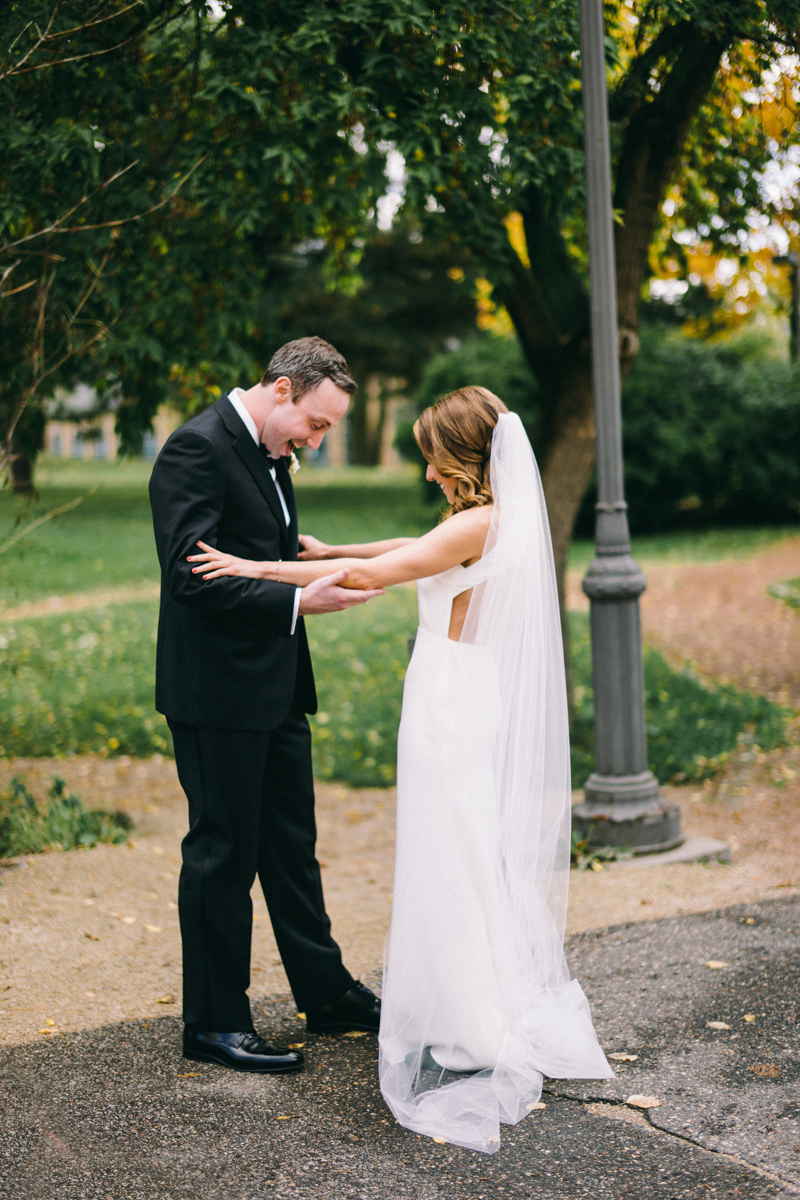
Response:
column 719, row 617
column 89, row 937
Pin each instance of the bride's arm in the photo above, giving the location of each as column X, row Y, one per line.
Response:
column 457, row 540
column 314, row 550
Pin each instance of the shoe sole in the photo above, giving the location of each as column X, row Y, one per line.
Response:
column 196, row 1056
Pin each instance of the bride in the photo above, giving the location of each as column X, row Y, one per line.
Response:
column 477, row 1000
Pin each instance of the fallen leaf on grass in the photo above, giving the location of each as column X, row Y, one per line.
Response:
column 714, row 965
column 749, row 1017
column 154, row 928
column 717, row 1025
column 618, row 1056
column 766, row 1070
column 644, row 1101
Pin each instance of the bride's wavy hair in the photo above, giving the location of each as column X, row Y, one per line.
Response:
column 455, row 435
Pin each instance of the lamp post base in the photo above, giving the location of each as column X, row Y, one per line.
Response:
column 627, row 811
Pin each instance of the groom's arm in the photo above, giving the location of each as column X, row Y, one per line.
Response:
column 187, row 493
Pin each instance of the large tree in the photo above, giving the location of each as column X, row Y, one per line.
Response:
column 483, row 99
column 158, row 158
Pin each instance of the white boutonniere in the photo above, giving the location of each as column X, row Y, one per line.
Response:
column 294, row 463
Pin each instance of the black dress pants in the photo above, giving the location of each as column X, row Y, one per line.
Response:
column 251, row 812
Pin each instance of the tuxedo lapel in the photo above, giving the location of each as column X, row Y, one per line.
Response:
column 251, row 457
column 284, row 478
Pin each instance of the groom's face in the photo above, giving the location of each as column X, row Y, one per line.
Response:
column 289, row 425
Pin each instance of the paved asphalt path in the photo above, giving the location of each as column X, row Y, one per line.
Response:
column 116, row 1114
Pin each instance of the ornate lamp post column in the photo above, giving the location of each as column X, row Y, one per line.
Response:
column 622, row 805
column 793, row 262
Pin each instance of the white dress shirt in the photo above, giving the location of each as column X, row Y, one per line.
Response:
column 250, row 425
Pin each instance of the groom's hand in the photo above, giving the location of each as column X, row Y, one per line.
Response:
column 325, row 595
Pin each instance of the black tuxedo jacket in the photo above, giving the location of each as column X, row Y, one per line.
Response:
column 225, row 657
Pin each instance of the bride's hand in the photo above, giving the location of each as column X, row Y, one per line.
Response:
column 216, row 563
column 312, row 548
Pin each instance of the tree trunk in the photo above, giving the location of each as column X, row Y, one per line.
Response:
column 566, row 471
column 21, row 471
column 547, row 301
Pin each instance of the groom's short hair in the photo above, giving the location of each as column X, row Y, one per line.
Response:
column 307, row 362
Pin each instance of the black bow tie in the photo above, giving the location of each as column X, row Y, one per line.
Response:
column 265, row 454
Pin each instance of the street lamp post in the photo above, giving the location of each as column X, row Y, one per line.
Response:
column 622, row 803
column 793, row 262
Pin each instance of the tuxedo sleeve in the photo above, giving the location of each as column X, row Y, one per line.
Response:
column 187, row 494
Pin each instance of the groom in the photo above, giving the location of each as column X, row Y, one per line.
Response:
column 234, row 680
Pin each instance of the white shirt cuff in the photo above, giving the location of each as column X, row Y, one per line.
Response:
column 297, row 596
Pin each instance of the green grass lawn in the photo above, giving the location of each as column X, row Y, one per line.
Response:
column 108, row 539
column 84, row 682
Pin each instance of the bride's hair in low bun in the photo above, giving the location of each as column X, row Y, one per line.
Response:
column 455, row 435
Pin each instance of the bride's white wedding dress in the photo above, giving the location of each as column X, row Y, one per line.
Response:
column 477, row 1000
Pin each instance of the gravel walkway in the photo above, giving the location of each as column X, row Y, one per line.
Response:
column 114, row 1113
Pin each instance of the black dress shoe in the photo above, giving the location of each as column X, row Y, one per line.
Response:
column 357, row 1009
column 241, row 1051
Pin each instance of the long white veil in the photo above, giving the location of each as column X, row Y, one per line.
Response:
column 513, row 636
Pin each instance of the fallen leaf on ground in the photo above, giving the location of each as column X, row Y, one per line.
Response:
column 168, row 999
column 49, row 1022
column 91, row 937
column 766, row 1070
column 714, row 965
column 749, row 1017
column 618, row 1056
column 440, row 1141
column 644, row 1101
column 717, row 1025
column 296, row 1045
column 289, row 1118
column 356, row 1033
column 189, row 1075
column 154, row 928
column 537, row 1107
column 300, row 1016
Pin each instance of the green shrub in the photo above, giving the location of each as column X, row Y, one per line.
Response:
column 82, row 684
column 711, row 434
column 63, row 823
column 692, row 726
column 360, row 659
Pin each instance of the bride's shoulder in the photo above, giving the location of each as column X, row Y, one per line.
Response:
column 474, row 518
